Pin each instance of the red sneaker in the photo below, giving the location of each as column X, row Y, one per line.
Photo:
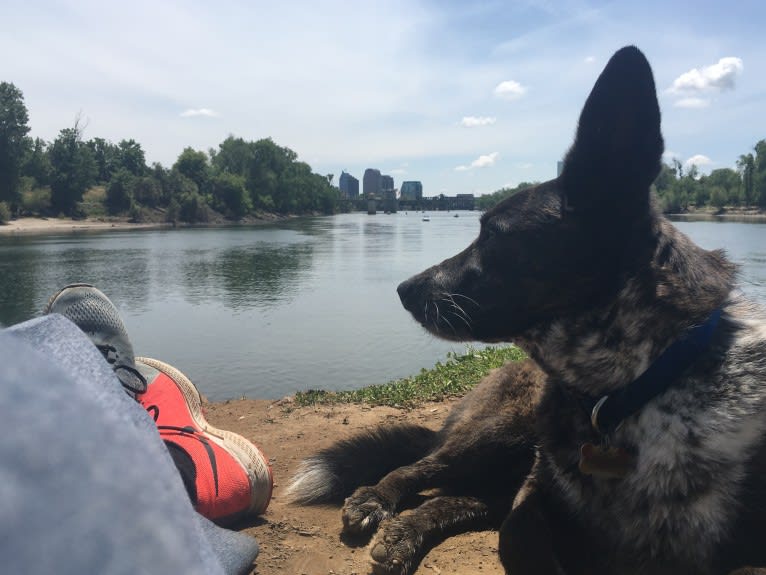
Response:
column 227, row 476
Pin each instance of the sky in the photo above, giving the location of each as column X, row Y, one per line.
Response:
column 467, row 97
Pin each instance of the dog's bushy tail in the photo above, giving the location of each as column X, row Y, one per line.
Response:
column 335, row 472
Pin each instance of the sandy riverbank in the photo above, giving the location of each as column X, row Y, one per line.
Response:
column 56, row 226
column 31, row 226
column 306, row 540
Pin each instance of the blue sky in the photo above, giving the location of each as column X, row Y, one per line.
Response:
column 466, row 97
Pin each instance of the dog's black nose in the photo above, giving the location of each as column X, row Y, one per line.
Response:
column 404, row 289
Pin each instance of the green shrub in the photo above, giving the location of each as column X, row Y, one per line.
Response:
column 136, row 214
column 36, row 201
column 93, row 202
column 5, row 213
column 193, row 208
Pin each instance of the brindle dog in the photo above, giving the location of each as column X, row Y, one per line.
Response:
column 641, row 411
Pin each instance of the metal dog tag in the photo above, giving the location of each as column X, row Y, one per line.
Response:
column 605, row 462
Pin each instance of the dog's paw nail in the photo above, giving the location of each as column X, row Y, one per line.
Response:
column 379, row 553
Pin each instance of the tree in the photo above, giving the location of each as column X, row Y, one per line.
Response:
column 486, row 201
column 230, row 195
column 37, row 164
column 665, row 179
column 105, row 155
column 728, row 180
column 746, row 167
column 119, row 192
column 131, row 157
column 74, row 169
column 13, row 141
column 268, row 167
column 147, row 190
column 718, row 197
column 759, row 173
column 233, row 156
column 194, row 165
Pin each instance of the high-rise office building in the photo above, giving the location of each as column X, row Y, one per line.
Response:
column 349, row 186
column 412, row 191
column 371, row 182
column 386, row 183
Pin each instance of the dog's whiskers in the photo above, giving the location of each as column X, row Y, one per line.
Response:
column 470, row 299
column 450, row 326
column 460, row 311
column 457, row 311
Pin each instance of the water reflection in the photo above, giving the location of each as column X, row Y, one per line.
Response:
column 32, row 270
column 260, row 275
column 19, row 272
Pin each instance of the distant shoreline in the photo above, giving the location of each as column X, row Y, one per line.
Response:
column 42, row 226
column 730, row 215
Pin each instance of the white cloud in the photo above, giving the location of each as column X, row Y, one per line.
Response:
column 481, row 162
column 474, row 121
column 194, row 112
column 720, row 76
column 697, row 160
column 692, row 103
column 510, row 90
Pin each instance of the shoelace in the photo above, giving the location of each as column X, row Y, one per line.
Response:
column 189, row 431
column 111, row 356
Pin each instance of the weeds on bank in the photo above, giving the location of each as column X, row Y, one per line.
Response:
column 454, row 377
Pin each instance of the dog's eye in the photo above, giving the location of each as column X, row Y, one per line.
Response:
column 489, row 233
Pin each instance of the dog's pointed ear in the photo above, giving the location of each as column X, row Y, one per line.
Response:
column 618, row 147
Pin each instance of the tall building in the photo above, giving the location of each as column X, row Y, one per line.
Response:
column 349, row 186
column 371, row 183
column 412, row 191
column 386, row 184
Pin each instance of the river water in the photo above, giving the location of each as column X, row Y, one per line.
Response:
column 265, row 311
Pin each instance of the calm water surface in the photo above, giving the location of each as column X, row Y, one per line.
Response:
column 266, row 311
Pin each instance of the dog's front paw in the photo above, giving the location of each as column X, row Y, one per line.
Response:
column 364, row 510
column 394, row 550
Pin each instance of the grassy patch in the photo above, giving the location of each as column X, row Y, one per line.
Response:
column 454, row 377
column 36, row 201
column 93, row 202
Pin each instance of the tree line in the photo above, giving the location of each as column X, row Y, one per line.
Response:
column 680, row 188
column 75, row 177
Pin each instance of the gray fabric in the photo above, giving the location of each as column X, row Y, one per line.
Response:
column 86, row 484
column 235, row 551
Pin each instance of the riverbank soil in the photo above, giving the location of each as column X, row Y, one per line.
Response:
column 299, row 540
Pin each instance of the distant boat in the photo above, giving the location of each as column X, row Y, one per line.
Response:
column 456, row 216
column 426, row 219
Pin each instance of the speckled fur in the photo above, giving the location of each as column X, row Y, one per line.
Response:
column 587, row 276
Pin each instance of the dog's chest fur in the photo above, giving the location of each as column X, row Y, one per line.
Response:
column 692, row 446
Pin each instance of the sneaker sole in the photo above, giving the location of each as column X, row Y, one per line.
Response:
column 252, row 459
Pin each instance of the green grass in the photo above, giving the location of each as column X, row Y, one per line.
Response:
column 454, row 377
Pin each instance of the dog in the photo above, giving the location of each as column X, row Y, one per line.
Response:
column 634, row 438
